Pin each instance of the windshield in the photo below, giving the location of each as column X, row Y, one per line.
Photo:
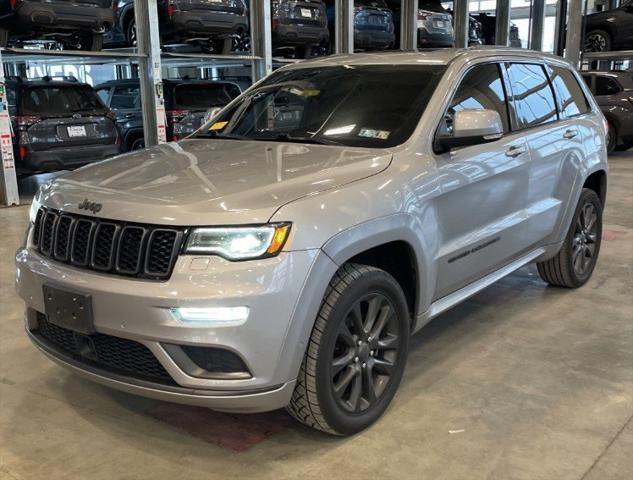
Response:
column 375, row 106
column 204, row 96
column 60, row 100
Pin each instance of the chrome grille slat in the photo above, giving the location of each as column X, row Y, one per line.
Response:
column 107, row 246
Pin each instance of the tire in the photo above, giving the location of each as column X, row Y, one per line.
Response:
column 91, row 42
column 612, row 138
column 598, row 41
column 582, row 239
column 130, row 33
column 4, row 37
column 137, row 144
column 341, row 351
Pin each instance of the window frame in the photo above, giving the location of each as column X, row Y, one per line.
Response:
column 543, row 66
column 464, row 74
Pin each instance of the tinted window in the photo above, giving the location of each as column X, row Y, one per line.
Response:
column 126, row 97
column 606, row 86
column 533, row 98
column 60, row 100
column 571, row 99
column 204, row 96
column 481, row 88
column 104, row 94
column 366, row 106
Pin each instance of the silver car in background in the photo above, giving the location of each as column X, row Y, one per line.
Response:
column 283, row 255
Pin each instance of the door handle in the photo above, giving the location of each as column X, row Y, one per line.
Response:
column 515, row 151
column 569, row 134
column 129, row 115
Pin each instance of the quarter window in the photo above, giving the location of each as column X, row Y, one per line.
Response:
column 481, row 88
column 128, row 97
column 571, row 99
column 532, row 95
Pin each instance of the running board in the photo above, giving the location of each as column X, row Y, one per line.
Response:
column 449, row 301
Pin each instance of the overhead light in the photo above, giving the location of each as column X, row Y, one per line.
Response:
column 340, row 130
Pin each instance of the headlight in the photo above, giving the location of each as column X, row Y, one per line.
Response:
column 239, row 243
column 35, row 206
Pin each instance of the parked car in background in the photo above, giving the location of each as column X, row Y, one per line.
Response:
column 435, row 25
column 373, row 25
column 488, row 28
column 186, row 104
column 219, row 26
column 59, row 125
column 614, row 93
column 74, row 24
column 301, row 27
column 610, row 29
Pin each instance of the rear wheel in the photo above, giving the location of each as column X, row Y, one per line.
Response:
column 131, row 35
column 356, row 353
column 91, row 42
column 597, row 41
column 137, row 144
column 573, row 265
column 612, row 138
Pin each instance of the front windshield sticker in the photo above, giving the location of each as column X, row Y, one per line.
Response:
column 369, row 133
column 218, row 126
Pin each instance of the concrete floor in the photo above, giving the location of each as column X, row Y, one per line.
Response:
column 521, row 382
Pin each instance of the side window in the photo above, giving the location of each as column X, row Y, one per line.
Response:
column 126, row 98
column 104, row 94
column 571, row 99
column 481, row 88
column 606, row 86
column 532, row 95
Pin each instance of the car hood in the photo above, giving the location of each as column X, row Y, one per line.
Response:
column 210, row 182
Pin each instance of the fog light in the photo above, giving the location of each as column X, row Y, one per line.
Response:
column 217, row 316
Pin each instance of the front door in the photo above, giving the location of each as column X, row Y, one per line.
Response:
column 483, row 189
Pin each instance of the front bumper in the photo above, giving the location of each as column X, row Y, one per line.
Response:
column 56, row 14
column 201, row 22
column 271, row 343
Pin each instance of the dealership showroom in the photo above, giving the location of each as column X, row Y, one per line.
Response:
column 297, row 239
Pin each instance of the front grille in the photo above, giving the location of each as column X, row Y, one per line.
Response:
column 113, row 354
column 143, row 251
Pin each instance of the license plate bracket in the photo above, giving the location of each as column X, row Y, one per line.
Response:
column 70, row 310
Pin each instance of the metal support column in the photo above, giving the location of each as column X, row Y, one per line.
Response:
column 502, row 26
column 538, row 21
column 8, row 178
column 409, row 25
column 261, row 38
column 344, row 26
column 560, row 27
column 573, row 40
column 460, row 19
column 150, row 72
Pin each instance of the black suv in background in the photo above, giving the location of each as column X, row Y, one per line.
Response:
column 488, row 27
column 216, row 25
column 373, row 24
column 74, row 24
column 614, row 93
column 300, row 25
column 186, row 104
column 59, row 125
column 610, row 29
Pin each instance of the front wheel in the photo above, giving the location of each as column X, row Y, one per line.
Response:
column 597, row 41
column 574, row 263
column 356, row 354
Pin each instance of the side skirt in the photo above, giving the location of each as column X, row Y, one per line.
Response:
column 449, row 301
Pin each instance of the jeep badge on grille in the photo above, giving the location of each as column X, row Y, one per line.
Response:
column 90, row 206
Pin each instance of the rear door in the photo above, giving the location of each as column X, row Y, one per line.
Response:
column 481, row 207
column 126, row 104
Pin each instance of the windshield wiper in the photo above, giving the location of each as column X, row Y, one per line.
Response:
column 285, row 137
column 226, row 136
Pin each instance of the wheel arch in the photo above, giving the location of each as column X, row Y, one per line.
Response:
column 597, row 181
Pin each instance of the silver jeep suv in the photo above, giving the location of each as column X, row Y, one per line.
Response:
column 283, row 255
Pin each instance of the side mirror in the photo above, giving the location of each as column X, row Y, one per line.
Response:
column 212, row 112
column 472, row 127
